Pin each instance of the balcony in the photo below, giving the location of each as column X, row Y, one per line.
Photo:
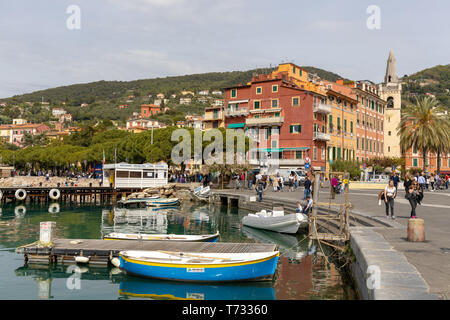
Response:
column 322, row 108
column 212, row 116
column 237, row 113
column 277, row 162
column 321, row 136
column 259, row 122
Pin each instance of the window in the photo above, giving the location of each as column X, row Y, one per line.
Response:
column 136, row 174
column 294, row 70
column 357, row 142
column 275, row 88
column 315, row 153
column 233, row 93
column 257, row 104
column 351, row 127
column 345, row 125
column 323, row 153
column 415, row 162
column 298, row 154
column 295, row 102
column 274, row 144
column 268, row 133
column 389, row 133
column 275, row 103
column 296, row 128
column 277, row 114
column 122, row 174
column 149, row 174
column 258, row 90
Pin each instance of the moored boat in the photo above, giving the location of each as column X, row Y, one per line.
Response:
column 276, row 221
column 164, row 202
column 162, row 237
column 200, row 267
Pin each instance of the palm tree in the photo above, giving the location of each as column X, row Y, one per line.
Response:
column 424, row 126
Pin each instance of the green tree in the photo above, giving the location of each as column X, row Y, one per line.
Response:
column 424, row 126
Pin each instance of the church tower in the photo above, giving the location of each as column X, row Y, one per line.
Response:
column 391, row 91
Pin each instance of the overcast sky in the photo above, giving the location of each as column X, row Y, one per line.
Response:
column 140, row 39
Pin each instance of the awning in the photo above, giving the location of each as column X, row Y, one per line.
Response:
column 236, row 125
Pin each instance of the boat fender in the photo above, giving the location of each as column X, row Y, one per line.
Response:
column 54, row 208
column 20, row 194
column 1, row 194
column 81, row 259
column 20, row 211
column 115, row 262
column 54, row 194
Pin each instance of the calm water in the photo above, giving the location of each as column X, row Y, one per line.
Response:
column 301, row 273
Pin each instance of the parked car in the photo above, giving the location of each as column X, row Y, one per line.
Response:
column 380, row 178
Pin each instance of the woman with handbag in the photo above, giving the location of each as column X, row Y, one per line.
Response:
column 390, row 192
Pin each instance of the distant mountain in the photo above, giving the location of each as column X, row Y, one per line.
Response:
column 433, row 81
column 107, row 90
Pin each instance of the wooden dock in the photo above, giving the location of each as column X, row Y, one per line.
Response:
column 102, row 251
column 67, row 194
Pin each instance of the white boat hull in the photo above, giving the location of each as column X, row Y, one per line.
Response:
column 285, row 224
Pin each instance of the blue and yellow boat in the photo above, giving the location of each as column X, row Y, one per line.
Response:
column 169, row 290
column 200, row 267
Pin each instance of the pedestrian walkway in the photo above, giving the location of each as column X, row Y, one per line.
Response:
column 431, row 258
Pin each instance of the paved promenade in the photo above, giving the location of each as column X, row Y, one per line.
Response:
column 431, row 258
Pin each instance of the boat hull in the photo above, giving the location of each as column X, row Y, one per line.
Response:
column 161, row 237
column 263, row 269
column 163, row 203
column 284, row 224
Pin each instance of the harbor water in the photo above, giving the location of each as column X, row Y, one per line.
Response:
column 302, row 272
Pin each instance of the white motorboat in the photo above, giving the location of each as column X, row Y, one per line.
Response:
column 276, row 221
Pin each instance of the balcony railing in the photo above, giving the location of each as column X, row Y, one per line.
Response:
column 273, row 121
column 236, row 113
column 321, row 136
column 322, row 108
column 212, row 116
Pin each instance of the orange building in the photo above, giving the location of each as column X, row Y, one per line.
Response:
column 414, row 159
column 149, row 110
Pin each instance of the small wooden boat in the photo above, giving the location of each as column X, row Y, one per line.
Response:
column 200, row 267
column 169, row 290
column 131, row 204
column 162, row 237
column 276, row 221
column 163, row 202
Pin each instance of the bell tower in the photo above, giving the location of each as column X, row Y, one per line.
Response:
column 391, row 91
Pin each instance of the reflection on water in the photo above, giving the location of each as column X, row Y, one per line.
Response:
column 301, row 272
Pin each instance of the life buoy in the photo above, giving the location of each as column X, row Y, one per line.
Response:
column 54, row 194
column 20, row 211
column 20, row 194
column 54, row 208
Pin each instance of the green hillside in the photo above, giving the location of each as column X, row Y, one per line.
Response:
column 105, row 97
column 434, row 81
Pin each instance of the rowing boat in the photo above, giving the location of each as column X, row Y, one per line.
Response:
column 162, row 237
column 163, row 202
column 200, row 267
column 276, row 221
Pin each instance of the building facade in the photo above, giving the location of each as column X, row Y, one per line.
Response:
column 149, row 110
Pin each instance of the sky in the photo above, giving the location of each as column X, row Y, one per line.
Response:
column 141, row 39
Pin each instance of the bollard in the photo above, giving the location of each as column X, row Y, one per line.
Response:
column 416, row 230
column 47, row 230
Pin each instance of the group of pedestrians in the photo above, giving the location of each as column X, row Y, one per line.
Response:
column 414, row 187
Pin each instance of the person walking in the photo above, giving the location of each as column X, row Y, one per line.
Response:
column 414, row 196
column 295, row 181
column 333, row 185
column 432, row 179
column 259, row 189
column 408, row 181
column 396, row 179
column 422, row 182
column 307, row 191
column 446, row 181
column 390, row 192
column 438, row 182
column 291, row 182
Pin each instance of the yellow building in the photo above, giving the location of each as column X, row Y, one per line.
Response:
column 341, row 123
column 300, row 77
column 213, row 118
